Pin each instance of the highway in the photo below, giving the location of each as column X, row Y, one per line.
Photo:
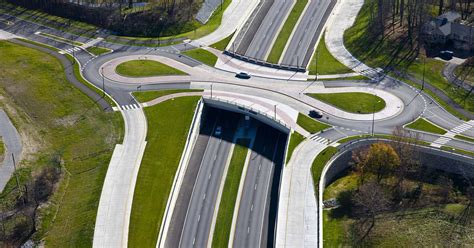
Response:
column 200, row 210
column 301, row 45
column 252, row 226
column 268, row 31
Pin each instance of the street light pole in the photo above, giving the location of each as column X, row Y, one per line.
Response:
column 103, row 82
column 211, row 91
column 373, row 117
column 423, row 82
column 275, row 111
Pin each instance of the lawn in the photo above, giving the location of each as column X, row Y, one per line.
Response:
column 2, row 150
column 222, row 44
column 460, row 151
column 97, row 51
column 319, row 163
column 310, row 124
column 424, row 125
column 229, row 195
column 325, row 62
column 462, row 137
column 285, row 32
column 146, row 68
column 171, row 121
column 202, row 55
column 376, row 52
column 145, row 96
column 59, row 122
column 295, row 139
column 360, row 103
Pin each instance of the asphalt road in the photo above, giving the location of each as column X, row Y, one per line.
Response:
column 301, row 46
column 252, row 229
column 263, row 39
column 198, row 219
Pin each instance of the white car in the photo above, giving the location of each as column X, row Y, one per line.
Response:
column 218, row 131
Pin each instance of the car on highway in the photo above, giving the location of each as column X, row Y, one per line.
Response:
column 315, row 114
column 446, row 55
column 242, row 75
column 218, row 131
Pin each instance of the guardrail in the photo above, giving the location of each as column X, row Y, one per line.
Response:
column 265, row 63
column 249, row 110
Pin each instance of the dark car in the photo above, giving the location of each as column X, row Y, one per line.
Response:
column 315, row 114
column 242, row 75
column 447, row 55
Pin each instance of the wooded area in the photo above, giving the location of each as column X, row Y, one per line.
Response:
column 124, row 17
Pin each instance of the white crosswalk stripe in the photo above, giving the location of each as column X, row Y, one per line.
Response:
column 127, row 107
column 319, row 139
column 452, row 133
column 70, row 50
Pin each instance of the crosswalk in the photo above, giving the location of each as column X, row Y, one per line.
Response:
column 70, row 50
column 451, row 133
column 92, row 42
column 127, row 107
column 319, row 139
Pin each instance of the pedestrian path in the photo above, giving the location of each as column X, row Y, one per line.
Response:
column 70, row 50
column 451, row 133
column 11, row 139
column 91, row 43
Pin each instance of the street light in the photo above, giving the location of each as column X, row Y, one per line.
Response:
column 373, row 117
column 423, row 82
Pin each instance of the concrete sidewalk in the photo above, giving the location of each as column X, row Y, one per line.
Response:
column 113, row 215
column 11, row 139
column 298, row 208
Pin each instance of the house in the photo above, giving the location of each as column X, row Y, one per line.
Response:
column 447, row 30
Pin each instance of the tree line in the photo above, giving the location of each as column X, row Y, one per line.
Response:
column 155, row 18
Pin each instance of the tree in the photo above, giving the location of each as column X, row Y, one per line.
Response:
column 380, row 159
column 370, row 200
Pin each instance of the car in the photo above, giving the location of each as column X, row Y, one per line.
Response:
column 447, row 55
column 218, row 131
column 242, row 75
column 315, row 114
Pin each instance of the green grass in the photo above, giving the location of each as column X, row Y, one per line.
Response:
column 461, row 151
column 61, row 39
column 355, row 78
column 462, row 137
column 2, row 148
column 310, row 124
column 202, row 55
column 380, row 136
column 171, row 121
column 97, row 51
column 222, row 44
column 348, row 182
column 424, row 125
column 285, row 32
column 360, row 103
column 145, row 96
column 325, row 62
column 319, row 163
column 67, row 124
column 229, row 195
column 295, row 139
column 146, row 68
column 334, row 230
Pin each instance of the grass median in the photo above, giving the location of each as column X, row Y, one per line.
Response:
column 295, row 139
column 145, row 96
column 169, row 124
column 202, row 55
column 229, row 195
column 146, row 68
column 97, row 51
column 326, row 63
column 424, row 125
column 309, row 124
column 63, row 128
column 285, row 32
column 222, row 44
column 359, row 103
column 319, row 162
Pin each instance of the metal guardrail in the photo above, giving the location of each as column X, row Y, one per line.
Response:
column 249, row 109
column 265, row 63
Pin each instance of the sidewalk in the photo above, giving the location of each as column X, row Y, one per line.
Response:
column 12, row 141
column 298, row 209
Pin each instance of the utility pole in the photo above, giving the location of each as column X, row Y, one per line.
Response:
column 373, row 116
column 103, row 82
column 423, row 82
